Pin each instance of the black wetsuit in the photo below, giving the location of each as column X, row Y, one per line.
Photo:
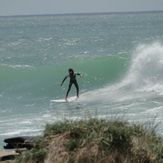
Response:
column 72, row 81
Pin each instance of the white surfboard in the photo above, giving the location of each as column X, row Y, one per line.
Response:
column 70, row 99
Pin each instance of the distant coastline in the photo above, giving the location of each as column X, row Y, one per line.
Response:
column 87, row 13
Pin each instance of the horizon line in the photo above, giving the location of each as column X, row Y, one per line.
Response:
column 83, row 13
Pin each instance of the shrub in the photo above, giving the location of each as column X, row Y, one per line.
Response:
column 36, row 155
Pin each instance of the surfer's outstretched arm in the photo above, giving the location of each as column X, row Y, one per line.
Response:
column 63, row 80
column 78, row 74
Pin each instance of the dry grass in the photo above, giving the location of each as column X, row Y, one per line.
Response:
column 96, row 141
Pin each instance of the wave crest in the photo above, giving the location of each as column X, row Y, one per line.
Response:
column 144, row 77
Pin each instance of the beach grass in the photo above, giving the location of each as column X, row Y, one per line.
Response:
column 96, row 141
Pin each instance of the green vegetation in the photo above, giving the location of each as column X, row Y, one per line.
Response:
column 96, row 141
column 35, row 155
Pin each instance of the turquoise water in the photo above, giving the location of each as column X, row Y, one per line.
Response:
column 120, row 57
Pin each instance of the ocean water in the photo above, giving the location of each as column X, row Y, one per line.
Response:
column 120, row 57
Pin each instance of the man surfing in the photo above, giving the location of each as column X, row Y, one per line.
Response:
column 72, row 76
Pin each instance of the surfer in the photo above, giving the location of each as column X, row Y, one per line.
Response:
column 72, row 76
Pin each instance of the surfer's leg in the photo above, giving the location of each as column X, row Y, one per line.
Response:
column 69, row 88
column 77, row 89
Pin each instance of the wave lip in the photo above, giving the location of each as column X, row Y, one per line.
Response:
column 143, row 79
column 146, row 68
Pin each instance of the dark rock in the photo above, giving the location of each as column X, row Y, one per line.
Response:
column 20, row 142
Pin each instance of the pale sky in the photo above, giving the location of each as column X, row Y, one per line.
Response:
column 35, row 7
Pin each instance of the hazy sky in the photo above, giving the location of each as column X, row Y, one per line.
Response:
column 26, row 7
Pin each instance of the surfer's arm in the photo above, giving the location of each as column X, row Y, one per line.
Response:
column 64, row 80
column 79, row 74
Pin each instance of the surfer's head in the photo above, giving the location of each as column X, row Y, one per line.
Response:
column 71, row 71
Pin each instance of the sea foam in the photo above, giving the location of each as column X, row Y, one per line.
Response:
column 144, row 76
